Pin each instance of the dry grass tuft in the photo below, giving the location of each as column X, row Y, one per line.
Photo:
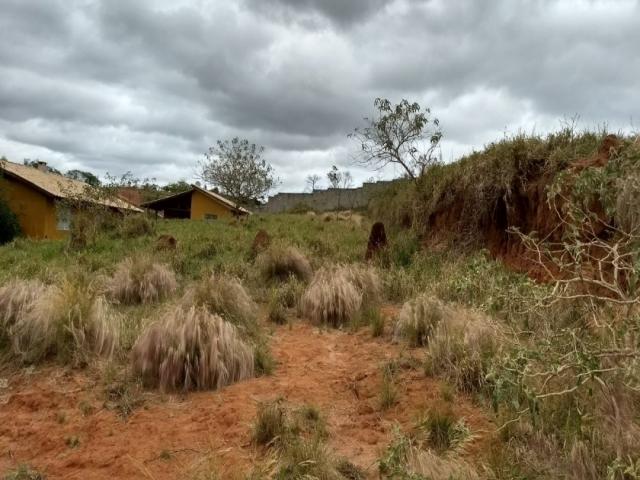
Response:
column 418, row 319
column 461, row 347
column 279, row 263
column 225, row 296
column 140, row 280
column 192, row 350
column 366, row 280
column 331, row 298
column 17, row 298
column 405, row 459
column 68, row 321
column 429, row 465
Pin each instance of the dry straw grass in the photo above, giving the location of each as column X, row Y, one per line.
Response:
column 68, row 321
column 224, row 295
column 338, row 293
column 140, row 280
column 192, row 350
column 17, row 298
column 461, row 346
column 366, row 280
column 429, row 465
column 279, row 263
column 418, row 319
column 331, row 298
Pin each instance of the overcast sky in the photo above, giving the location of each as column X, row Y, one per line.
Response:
column 148, row 85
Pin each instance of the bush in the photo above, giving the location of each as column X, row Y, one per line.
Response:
column 9, row 225
column 331, row 298
column 192, row 350
column 140, row 280
column 417, row 320
column 69, row 322
column 278, row 263
column 132, row 226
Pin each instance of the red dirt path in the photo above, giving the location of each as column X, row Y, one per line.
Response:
column 338, row 372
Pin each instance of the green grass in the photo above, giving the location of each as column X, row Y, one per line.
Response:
column 202, row 246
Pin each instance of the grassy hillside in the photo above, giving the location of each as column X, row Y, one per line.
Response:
column 554, row 367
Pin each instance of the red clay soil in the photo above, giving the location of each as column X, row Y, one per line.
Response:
column 523, row 207
column 338, row 372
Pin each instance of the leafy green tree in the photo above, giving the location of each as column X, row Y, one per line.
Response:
column 239, row 170
column 402, row 135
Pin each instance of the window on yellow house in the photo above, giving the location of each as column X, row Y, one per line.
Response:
column 63, row 218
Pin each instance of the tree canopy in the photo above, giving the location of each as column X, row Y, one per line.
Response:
column 238, row 169
column 402, row 134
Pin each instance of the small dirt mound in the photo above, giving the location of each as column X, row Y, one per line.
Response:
column 166, row 242
column 261, row 242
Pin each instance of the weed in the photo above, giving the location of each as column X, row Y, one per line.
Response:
column 277, row 313
column 24, row 472
column 349, row 471
column 72, row 441
column 389, row 389
column 375, row 321
column 86, row 408
column 443, row 430
column 271, row 424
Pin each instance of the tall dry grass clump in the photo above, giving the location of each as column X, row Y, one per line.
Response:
column 418, row 319
column 68, row 321
column 461, row 348
column 17, row 298
column 224, row 295
column 366, row 280
column 406, row 459
column 278, row 263
column 140, row 280
column 331, row 298
column 192, row 349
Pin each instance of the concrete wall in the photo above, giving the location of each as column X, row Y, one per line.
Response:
column 325, row 200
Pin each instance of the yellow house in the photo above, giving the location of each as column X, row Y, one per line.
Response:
column 196, row 204
column 35, row 195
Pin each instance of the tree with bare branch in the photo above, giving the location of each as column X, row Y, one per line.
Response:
column 402, row 135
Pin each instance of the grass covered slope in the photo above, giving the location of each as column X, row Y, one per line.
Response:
column 475, row 200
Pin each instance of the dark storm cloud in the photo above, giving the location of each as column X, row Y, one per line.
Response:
column 147, row 86
column 340, row 12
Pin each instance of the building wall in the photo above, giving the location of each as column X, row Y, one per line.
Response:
column 36, row 212
column 202, row 206
column 325, row 200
